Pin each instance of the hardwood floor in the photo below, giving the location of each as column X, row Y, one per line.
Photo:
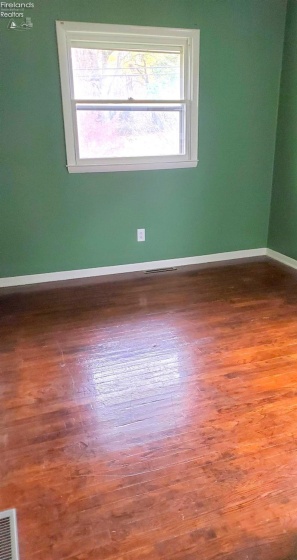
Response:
column 153, row 419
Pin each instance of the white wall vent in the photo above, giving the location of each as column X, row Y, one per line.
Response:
column 9, row 549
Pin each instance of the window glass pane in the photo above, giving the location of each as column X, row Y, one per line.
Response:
column 117, row 74
column 129, row 133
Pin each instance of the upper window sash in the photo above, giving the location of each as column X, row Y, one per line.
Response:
column 131, row 48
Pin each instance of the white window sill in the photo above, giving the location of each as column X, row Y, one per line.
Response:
column 130, row 167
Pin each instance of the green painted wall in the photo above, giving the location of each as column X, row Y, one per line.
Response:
column 52, row 221
column 283, row 220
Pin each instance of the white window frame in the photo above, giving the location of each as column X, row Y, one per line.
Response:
column 83, row 34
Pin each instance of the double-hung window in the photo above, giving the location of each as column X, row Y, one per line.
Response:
column 130, row 96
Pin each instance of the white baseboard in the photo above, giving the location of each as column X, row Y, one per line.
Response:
column 280, row 257
column 124, row 268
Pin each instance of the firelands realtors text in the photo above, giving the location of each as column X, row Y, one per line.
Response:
column 12, row 6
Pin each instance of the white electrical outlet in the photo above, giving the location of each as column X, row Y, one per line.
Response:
column 141, row 235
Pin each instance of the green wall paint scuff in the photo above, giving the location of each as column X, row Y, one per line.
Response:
column 51, row 220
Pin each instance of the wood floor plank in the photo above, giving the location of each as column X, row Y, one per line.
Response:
column 153, row 418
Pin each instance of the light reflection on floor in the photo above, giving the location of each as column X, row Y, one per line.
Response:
column 136, row 373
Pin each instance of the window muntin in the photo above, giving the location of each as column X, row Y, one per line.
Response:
column 129, row 99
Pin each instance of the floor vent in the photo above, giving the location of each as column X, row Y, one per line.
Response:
column 156, row 270
column 8, row 535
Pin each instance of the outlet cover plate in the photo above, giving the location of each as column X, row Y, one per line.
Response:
column 141, row 234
